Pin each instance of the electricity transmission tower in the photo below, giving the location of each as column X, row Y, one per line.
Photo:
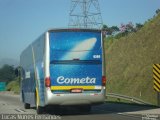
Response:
column 85, row 14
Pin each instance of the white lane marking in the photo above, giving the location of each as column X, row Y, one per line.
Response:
column 19, row 110
column 129, row 115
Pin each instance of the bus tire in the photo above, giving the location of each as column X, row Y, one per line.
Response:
column 22, row 97
column 39, row 109
column 26, row 106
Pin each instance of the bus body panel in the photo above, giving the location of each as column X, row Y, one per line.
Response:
column 74, row 99
column 76, row 74
column 32, row 73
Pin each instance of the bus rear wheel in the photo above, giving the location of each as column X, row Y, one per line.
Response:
column 39, row 109
column 26, row 106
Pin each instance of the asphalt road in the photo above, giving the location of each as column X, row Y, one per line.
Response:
column 10, row 104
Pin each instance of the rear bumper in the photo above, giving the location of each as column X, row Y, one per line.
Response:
column 74, row 99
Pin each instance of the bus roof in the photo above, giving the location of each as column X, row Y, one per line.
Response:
column 74, row 29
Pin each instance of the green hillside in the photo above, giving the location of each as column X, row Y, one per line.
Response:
column 129, row 62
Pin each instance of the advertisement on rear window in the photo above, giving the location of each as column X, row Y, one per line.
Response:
column 75, row 45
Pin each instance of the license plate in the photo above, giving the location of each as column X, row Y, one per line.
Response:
column 76, row 90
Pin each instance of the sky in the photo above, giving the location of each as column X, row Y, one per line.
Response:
column 22, row 21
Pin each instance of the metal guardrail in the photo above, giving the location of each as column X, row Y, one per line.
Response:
column 128, row 98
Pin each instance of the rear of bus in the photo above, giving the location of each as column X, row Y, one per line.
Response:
column 76, row 67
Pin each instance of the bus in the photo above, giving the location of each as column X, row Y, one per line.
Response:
column 64, row 67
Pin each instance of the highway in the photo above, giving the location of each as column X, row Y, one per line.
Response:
column 10, row 104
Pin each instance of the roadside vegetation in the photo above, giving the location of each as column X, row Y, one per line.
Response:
column 9, row 75
column 14, row 86
column 130, row 56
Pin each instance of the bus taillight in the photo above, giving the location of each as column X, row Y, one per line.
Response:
column 104, row 80
column 48, row 82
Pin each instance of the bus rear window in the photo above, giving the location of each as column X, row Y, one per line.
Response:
column 75, row 41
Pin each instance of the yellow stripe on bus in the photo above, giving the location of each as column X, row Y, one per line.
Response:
column 37, row 95
column 72, row 87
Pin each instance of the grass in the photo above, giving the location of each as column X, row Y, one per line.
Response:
column 129, row 62
column 14, row 86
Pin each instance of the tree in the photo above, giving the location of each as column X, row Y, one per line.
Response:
column 138, row 26
column 110, row 30
column 115, row 28
column 157, row 11
column 130, row 27
column 7, row 73
column 127, row 28
column 106, row 29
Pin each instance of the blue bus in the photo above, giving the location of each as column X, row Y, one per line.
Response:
column 64, row 67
